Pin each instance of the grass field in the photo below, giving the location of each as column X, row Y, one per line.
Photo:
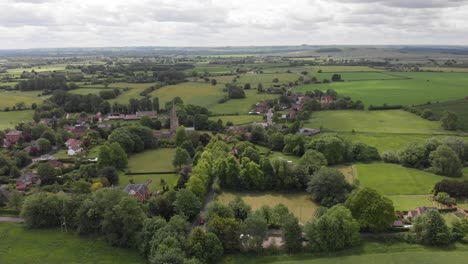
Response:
column 203, row 94
column 338, row 69
column 134, row 92
column 239, row 119
column 369, row 252
column 355, row 76
column 267, row 78
column 85, row 91
column 19, row 245
column 459, row 107
column 410, row 202
column 155, row 185
column 157, row 160
column 391, row 121
column 12, row 118
column 392, row 179
column 421, row 88
column 241, row 106
column 276, row 155
column 10, row 98
column 298, row 203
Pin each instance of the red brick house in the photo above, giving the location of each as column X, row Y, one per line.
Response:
column 23, row 182
column 139, row 191
column 419, row 211
column 260, row 108
column 13, row 136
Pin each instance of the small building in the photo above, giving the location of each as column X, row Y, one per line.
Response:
column 150, row 114
column 78, row 130
column 131, row 117
column 55, row 163
column 260, row 108
column 74, row 147
column 139, row 191
column 419, row 211
column 13, row 136
column 309, row 131
column 46, row 157
column 26, row 180
column 325, row 101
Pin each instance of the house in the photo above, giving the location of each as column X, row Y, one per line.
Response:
column 98, row 117
column 78, row 130
column 419, row 211
column 325, row 101
column 23, row 182
column 74, row 147
column 292, row 113
column 13, row 136
column 46, row 157
column 55, row 163
column 309, row 131
column 139, row 191
column 131, row 117
column 260, row 108
column 150, row 114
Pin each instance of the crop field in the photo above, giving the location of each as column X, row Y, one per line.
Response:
column 390, row 121
column 156, row 180
column 203, row 94
column 53, row 67
column 421, row 88
column 238, row 119
column 459, row 107
column 157, row 160
column 10, row 119
column 10, row 98
column 369, row 252
column 393, row 179
column 51, row 246
column 299, row 204
column 241, row 106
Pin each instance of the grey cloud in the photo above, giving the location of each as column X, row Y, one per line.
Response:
column 412, row 3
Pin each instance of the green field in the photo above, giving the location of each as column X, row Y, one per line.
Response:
column 134, row 92
column 157, row 160
column 393, row 179
column 155, row 185
column 10, row 98
column 267, row 78
column 277, row 154
column 339, row 69
column 369, row 253
column 241, row 106
column 390, row 121
column 203, row 94
column 12, row 118
column 410, row 202
column 85, row 91
column 299, row 204
column 459, row 107
column 421, row 88
column 239, row 119
column 355, row 76
column 19, row 245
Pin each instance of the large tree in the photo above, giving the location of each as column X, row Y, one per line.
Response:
column 313, row 160
column 332, row 147
column 254, row 230
column 204, row 246
column 187, row 203
column 181, row 158
column 373, row 211
column 292, row 234
column 328, row 187
column 430, row 229
column 449, row 121
column 445, row 161
column 227, row 230
column 336, row 229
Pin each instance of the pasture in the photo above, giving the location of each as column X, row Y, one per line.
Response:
column 390, row 121
column 196, row 93
column 156, row 180
column 241, row 106
column 420, row 88
column 156, row 160
column 12, row 118
column 459, row 107
column 410, row 202
column 341, row 69
column 393, row 179
column 267, row 78
column 85, row 91
column 299, row 204
column 133, row 92
column 10, row 98
column 21, row 245
column 238, row 119
column 355, row 76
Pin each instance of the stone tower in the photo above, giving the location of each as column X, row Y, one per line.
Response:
column 173, row 118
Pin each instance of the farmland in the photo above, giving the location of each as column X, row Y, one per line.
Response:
column 267, row 79
column 394, row 121
column 10, row 119
column 238, row 119
column 158, row 160
column 420, row 88
column 241, row 106
column 203, row 94
column 459, row 107
column 53, row 246
column 299, row 204
column 11, row 98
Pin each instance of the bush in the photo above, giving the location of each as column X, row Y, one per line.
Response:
column 444, row 198
column 390, row 157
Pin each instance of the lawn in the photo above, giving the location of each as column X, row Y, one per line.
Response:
column 393, row 179
column 239, row 119
column 19, row 245
column 276, row 154
column 157, row 160
column 390, row 121
column 459, row 107
column 155, row 185
column 241, row 106
column 196, row 93
column 10, row 98
column 410, row 202
column 299, row 204
column 421, row 88
column 12, row 118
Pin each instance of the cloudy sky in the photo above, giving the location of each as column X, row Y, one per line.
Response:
column 97, row 23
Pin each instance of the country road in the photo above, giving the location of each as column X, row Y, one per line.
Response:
column 11, row 219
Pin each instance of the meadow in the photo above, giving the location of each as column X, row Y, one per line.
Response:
column 133, row 92
column 266, row 79
column 276, row 155
column 196, row 93
column 21, row 245
column 241, row 106
column 299, row 204
column 10, row 98
column 355, row 76
column 155, row 185
column 390, row 121
column 459, row 107
column 12, row 118
column 238, row 119
column 420, row 88
column 85, row 91
column 342, row 69
column 156, row 160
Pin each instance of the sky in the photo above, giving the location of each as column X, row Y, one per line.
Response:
column 119, row 23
